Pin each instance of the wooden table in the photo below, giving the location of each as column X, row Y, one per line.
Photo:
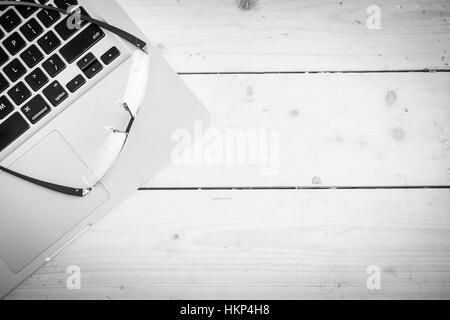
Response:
column 364, row 155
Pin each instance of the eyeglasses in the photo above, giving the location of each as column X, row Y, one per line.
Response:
column 117, row 138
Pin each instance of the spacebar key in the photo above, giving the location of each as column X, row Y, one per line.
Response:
column 81, row 43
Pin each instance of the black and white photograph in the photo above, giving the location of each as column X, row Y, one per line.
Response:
column 251, row 151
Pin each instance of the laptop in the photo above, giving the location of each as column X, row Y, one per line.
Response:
column 63, row 93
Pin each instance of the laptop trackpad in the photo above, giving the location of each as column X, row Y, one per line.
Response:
column 32, row 218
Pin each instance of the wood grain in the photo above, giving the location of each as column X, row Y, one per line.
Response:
column 291, row 35
column 335, row 129
column 260, row 245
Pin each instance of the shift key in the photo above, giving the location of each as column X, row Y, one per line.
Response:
column 81, row 43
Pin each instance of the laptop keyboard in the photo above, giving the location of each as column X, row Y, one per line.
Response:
column 36, row 46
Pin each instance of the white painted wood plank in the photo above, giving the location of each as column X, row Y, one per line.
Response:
column 260, row 245
column 335, row 129
column 292, row 35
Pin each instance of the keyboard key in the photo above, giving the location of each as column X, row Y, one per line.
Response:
column 110, row 55
column 10, row 20
column 54, row 65
column 6, row 107
column 48, row 18
column 49, row 42
column 4, row 84
column 3, row 57
column 36, row 109
column 36, row 79
column 86, row 61
column 32, row 56
column 12, row 129
column 14, row 70
column 65, row 30
column 93, row 69
column 31, row 29
column 76, row 83
column 65, row 4
column 19, row 93
column 14, row 43
column 55, row 93
column 82, row 43
column 26, row 11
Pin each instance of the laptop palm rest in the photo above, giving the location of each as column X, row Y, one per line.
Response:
column 26, row 234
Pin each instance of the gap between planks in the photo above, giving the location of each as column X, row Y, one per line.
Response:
column 313, row 72
column 296, row 188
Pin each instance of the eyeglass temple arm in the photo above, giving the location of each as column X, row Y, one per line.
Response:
column 77, row 192
column 138, row 43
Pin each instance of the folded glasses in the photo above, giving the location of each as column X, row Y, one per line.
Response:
column 116, row 140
